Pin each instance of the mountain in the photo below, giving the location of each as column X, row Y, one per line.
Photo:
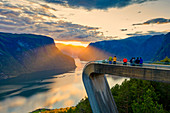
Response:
column 27, row 53
column 149, row 48
column 165, row 49
column 138, row 46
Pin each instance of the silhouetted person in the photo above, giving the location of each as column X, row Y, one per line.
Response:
column 141, row 60
column 110, row 60
column 114, row 60
column 137, row 61
column 124, row 61
column 132, row 61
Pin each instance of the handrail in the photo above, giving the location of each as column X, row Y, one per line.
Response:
column 155, row 66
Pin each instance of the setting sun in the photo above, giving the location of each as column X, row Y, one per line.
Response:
column 74, row 43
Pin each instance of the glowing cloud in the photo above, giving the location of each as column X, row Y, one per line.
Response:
column 155, row 21
column 74, row 43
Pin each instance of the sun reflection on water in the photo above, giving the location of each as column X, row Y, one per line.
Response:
column 64, row 90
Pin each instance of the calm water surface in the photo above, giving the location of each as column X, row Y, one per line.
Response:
column 62, row 90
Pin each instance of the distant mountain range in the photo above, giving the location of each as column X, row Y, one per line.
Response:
column 27, row 53
column 150, row 48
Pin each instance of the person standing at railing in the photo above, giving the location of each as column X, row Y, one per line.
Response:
column 110, row 60
column 114, row 60
column 141, row 61
column 124, row 61
column 137, row 61
column 132, row 61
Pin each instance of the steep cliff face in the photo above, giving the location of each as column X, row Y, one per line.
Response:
column 149, row 48
column 165, row 48
column 140, row 46
column 26, row 53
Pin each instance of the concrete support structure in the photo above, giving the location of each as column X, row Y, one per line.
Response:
column 98, row 90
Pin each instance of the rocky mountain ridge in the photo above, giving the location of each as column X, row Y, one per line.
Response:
column 27, row 53
column 150, row 48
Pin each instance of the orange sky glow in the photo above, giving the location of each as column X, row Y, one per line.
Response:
column 74, row 43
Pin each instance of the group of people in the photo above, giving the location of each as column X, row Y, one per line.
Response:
column 112, row 59
column 133, row 61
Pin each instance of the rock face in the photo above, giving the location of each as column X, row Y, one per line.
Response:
column 165, row 48
column 27, row 53
column 147, row 47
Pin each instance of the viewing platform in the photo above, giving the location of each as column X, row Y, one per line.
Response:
column 98, row 90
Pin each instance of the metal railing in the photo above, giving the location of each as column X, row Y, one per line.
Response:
column 153, row 65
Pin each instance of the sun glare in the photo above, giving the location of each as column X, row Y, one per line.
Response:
column 73, row 43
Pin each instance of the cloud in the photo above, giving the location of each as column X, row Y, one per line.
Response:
column 97, row 4
column 137, row 33
column 6, row 28
column 156, row 33
column 124, row 29
column 57, row 1
column 6, row 22
column 34, row 11
column 10, row 6
column 37, row 19
column 9, row 12
column 16, row 21
column 48, row 7
column 57, row 30
column 155, row 21
column 140, row 33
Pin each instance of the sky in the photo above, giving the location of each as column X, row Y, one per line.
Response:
column 85, row 20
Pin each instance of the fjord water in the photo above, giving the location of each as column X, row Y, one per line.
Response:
column 23, row 95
